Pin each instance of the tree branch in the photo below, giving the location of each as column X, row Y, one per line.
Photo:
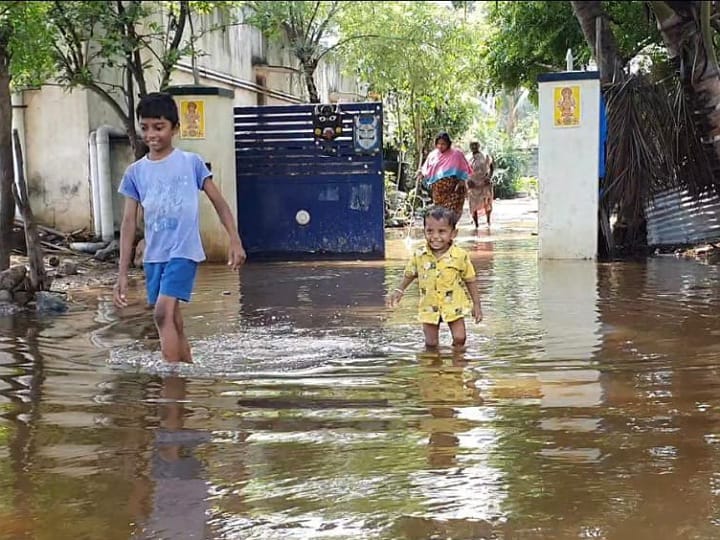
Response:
column 180, row 28
column 114, row 105
column 706, row 33
column 312, row 21
column 662, row 10
column 402, row 39
column 132, row 54
column 134, row 60
column 318, row 35
column 73, row 42
column 174, row 44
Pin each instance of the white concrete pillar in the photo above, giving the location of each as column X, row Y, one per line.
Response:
column 568, row 165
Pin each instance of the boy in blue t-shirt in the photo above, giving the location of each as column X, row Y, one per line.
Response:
column 166, row 183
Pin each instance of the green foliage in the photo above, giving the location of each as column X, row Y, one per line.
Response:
column 507, row 146
column 95, row 38
column 421, row 63
column 24, row 26
column 527, row 38
column 455, row 117
column 526, row 184
column 310, row 27
column 509, row 165
column 120, row 50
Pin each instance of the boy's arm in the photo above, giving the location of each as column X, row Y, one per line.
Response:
column 236, row 255
column 127, row 239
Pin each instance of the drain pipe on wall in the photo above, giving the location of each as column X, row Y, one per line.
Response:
column 101, row 179
column 94, row 184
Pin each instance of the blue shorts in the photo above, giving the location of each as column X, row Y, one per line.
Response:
column 174, row 278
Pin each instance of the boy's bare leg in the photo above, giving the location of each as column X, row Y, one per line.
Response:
column 185, row 353
column 170, row 339
column 431, row 332
column 457, row 329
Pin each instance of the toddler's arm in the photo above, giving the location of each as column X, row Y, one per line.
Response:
column 475, row 295
column 393, row 299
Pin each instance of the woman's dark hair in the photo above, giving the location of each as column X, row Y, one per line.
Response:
column 442, row 136
column 158, row 105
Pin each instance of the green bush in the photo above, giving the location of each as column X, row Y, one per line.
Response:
column 526, row 184
column 509, row 164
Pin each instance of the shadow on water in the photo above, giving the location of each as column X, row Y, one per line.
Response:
column 586, row 406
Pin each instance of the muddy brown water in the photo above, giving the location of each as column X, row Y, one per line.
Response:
column 586, row 406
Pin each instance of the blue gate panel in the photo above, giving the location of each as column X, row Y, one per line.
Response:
column 281, row 172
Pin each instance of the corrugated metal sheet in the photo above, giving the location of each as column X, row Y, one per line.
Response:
column 676, row 218
column 283, row 175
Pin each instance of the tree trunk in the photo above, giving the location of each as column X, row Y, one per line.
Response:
column 686, row 34
column 417, row 131
column 309, row 67
column 511, row 113
column 138, row 147
column 7, row 170
column 592, row 17
column 38, row 277
column 610, row 65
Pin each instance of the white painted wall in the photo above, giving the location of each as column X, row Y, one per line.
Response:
column 56, row 157
column 568, row 175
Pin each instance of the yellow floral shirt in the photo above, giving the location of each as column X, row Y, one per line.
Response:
column 443, row 295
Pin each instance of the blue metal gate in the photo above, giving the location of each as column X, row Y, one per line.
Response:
column 296, row 200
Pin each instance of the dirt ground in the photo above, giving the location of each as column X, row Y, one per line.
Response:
column 90, row 273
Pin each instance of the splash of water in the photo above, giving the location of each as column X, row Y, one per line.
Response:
column 254, row 351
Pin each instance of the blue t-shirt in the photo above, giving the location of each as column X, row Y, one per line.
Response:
column 168, row 190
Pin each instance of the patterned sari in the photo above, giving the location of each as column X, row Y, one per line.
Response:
column 446, row 173
column 450, row 193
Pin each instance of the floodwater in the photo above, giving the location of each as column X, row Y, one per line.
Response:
column 587, row 405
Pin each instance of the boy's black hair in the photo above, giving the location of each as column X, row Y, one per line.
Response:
column 440, row 213
column 158, row 105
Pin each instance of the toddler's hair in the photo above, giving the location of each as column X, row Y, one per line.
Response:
column 440, row 213
column 158, row 105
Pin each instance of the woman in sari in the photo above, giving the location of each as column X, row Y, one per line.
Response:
column 445, row 171
column 480, row 187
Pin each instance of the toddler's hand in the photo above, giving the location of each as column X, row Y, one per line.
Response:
column 477, row 313
column 393, row 299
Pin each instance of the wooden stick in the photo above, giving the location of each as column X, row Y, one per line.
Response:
column 55, row 232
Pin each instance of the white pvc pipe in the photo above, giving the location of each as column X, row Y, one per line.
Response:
column 105, row 192
column 95, row 184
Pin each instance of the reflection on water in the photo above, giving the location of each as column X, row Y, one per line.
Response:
column 586, row 406
column 173, row 500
